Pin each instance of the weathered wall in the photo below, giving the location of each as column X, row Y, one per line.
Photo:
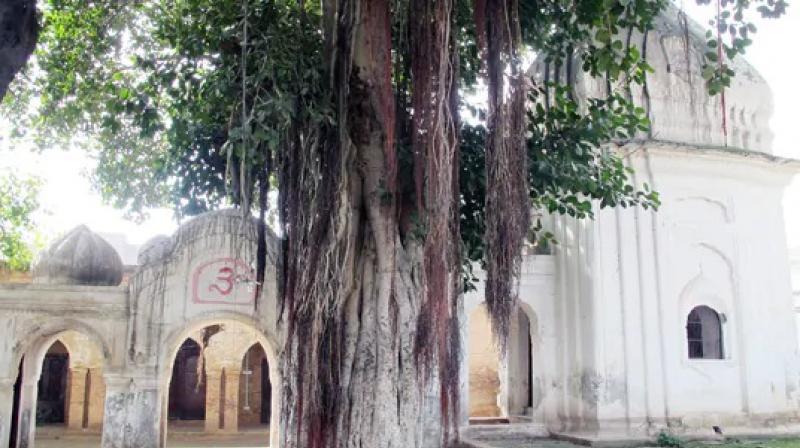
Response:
column 676, row 98
column 199, row 277
column 608, row 310
column 484, row 366
column 718, row 240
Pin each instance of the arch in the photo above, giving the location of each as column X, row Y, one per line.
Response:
column 704, row 334
column 518, row 380
column 41, row 335
column 52, row 400
column 187, row 395
column 502, row 387
column 78, row 379
column 533, row 321
column 172, row 341
column 710, row 205
column 171, row 344
column 255, row 389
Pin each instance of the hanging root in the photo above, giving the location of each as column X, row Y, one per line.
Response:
column 507, row 206
column 435, row 142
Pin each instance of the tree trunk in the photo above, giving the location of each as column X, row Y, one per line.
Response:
column 18, row 33
column 357, row 367
column 382, row 401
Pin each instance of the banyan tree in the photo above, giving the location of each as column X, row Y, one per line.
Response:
column 393, row 145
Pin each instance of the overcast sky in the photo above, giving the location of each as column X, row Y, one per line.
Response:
column 68, row 200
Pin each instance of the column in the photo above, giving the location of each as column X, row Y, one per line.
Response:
column 96, row 401
column 231, row 400
column 76, row 397
column 132, row 411
column 213, row 394
column 6, row 405
column 26, row 428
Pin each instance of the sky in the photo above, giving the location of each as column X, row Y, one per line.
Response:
column 68, row 199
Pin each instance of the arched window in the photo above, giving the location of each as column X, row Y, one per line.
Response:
column 704, row 334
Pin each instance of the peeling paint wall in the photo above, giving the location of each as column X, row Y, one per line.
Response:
column 128, row 335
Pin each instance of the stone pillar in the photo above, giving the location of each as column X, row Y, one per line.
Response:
column 231, row 400
column 213, row 394
column 222, row 400
column 132, row 411
column 27, row 404
column 76, row 397
column 97, row 396
column 6, row 405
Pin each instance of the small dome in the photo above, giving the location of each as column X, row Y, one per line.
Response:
column 154, row 249
column 80, row 257
column 677, row 99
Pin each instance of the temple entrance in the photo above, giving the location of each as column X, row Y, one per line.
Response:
column 187, row 389
column 255, row 389
column 500, row 387
column 59, row 395
column 70, row 392
column 519, row 366
column 220, row 390
column 51, row 400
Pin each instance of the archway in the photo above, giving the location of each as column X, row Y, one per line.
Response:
column 255, row 390
column 518, row 387
column 52, row 397
column 60, row 393
column 500, row 385
column 187, row 388
column 230, row 365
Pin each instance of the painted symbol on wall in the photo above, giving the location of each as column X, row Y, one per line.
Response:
column 223, row 281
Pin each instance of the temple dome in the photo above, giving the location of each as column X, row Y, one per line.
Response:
column 677, row 99
column 81, row 257
column 154, row 249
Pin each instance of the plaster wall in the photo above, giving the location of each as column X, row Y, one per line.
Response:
column 717, row 240
column 138, row 328
column 608, row 309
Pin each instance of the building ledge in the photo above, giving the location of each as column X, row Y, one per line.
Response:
column 728, row 152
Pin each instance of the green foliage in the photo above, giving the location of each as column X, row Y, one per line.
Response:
column 665, row 439
column 155, row 90
column 596, row 31
column 572, row 170
column 18, row 201
column 183, row 101
column 569, row 166
column 731, row 35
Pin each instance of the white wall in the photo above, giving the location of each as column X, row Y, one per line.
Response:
column 608, row 309
column 717, row 240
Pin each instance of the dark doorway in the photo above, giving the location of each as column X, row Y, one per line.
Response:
column 12, row 441
column 266, row 392
column 187, row 390
column 51, row 399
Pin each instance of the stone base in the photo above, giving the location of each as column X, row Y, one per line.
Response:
column 621, row 439
column 482, row 436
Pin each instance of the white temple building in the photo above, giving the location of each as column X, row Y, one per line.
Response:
column 637, row 321
column 681, row 318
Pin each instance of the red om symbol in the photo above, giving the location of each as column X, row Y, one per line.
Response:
column 226, row 276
